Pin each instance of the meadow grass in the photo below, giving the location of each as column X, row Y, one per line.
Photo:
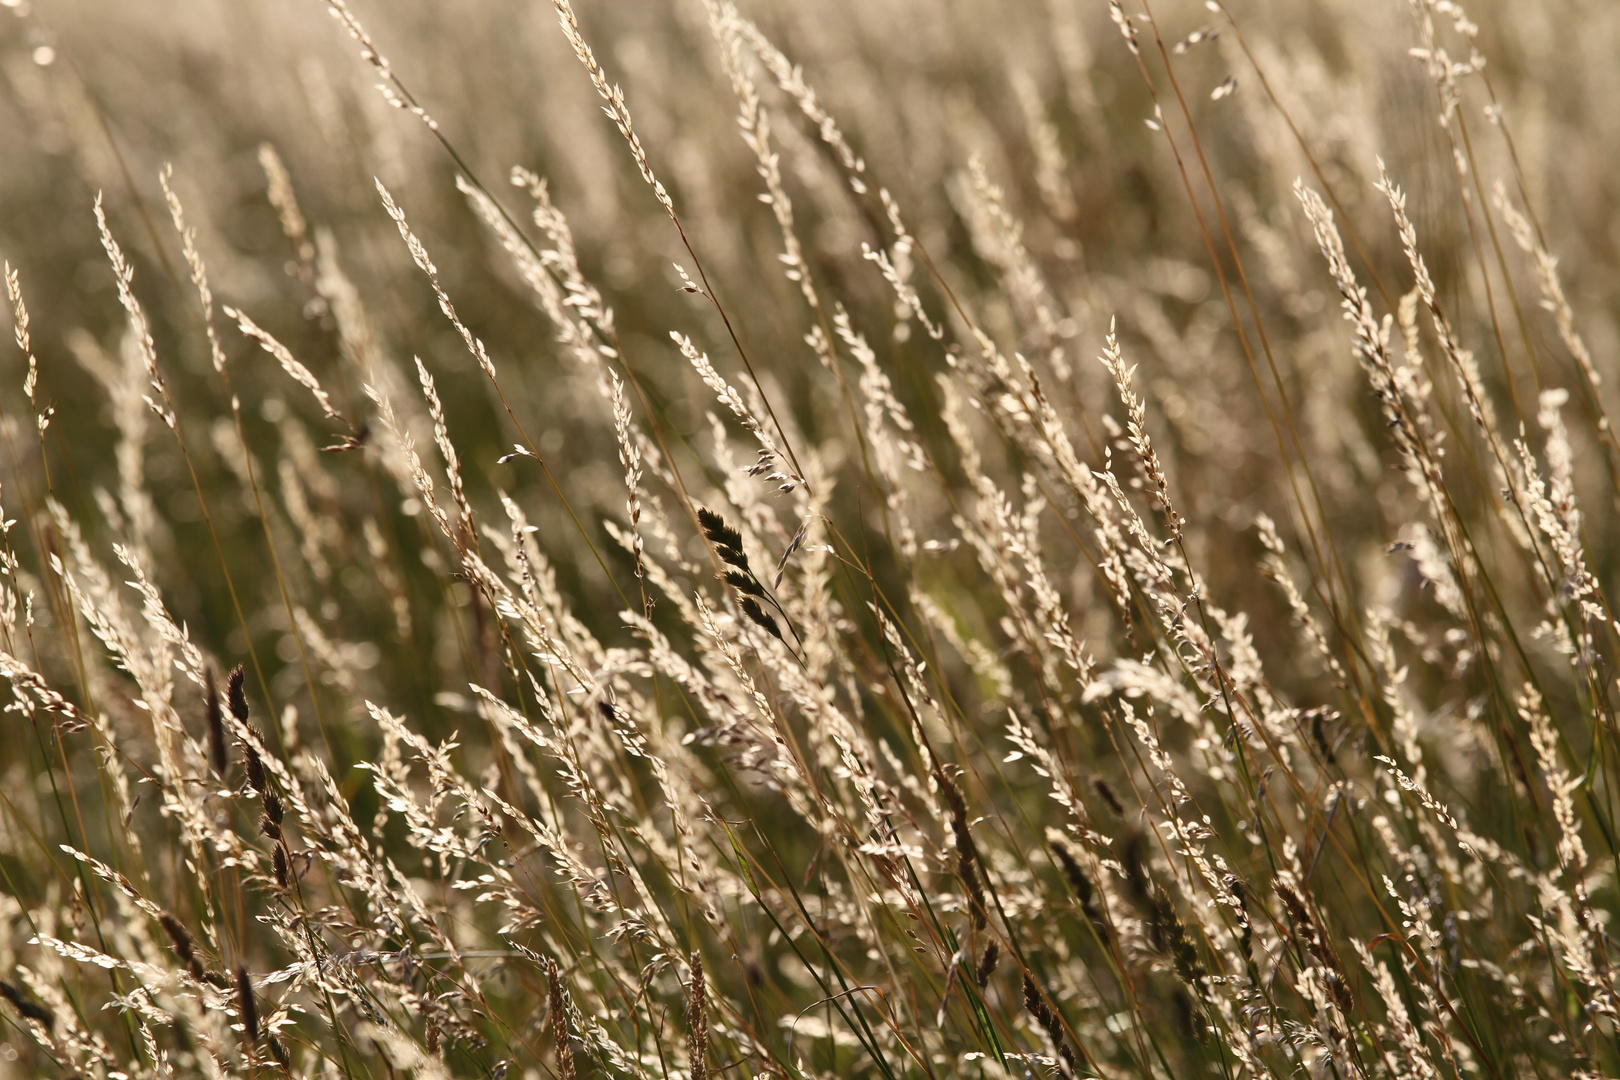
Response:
column 705, row 539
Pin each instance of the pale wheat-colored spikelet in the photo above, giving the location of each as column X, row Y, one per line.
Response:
column 194, row 262
column 282, row 196
column 771, row 463
column 42, row 417
column 1051, row 165
column 616, row 109
column 1479, row 403
column 630, row 458
column 1276, row 567
column 419, row 255
column 790, row 77
column 289, row 363
column 140, row 330
column 1551, row 285
column 574, row 307
column 452, row 461
column 1000, row 238
column 392, row 90
column 1136, row 412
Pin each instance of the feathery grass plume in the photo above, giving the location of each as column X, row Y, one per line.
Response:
column 279, row 190
column 419, row 255
column 1330, row 668
column 140, row 329
column 770, row 462
column 630, row 458
column 289, row 363
column 194, row 263
column 42, row 417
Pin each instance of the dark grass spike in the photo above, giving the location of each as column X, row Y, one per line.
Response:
column 253, row 764
column 184, row 947
column 1036, row 1006
column 744, row 583
column 557, row 1005
column 250, row 1008
column 30, row 1010
column 697, row 1020
column 217, row 755
column 967, row 854
column 236, row 696
column 1106, row 794
column 1084, row 892
column 278, row 1051
column 726, row 540
column 751, row 608
column 987, row 964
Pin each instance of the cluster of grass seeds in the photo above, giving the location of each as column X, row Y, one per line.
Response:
column 1061, row 538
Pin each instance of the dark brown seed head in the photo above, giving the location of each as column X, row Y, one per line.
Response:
column 184, row 948
column 743, row 583
column 758, row 614
column 1081, row 884
column 179, row 936
column 967, row 855
column 238, row 700
column 697, row 1019
column 1037, row 1007
column 249, row 1008
column 278, row 859
column 216, row 724
column 279, row 1052
column 272, row 806
column 558, row 1007
column 30, row 1010
column 269, row 828
column 1106, row 794
column 987, row 964
column 726, row 540
column 253, row 765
